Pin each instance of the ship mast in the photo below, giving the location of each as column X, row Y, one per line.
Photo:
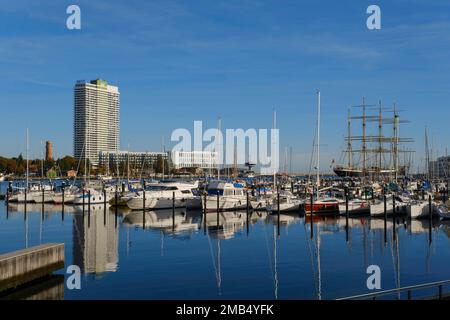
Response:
column 349, row 141
column 395, row 146
column 364, row 142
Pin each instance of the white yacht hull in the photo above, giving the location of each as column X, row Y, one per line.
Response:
column 225, row 203
column 355, row 208
column 152, row 203
column 420, row 210
column 285, row 207
column 377, row 209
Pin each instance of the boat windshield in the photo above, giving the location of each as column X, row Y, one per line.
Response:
column 212, row 192
column 161, row 188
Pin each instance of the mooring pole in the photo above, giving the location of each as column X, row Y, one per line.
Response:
column 385, row 217
column 248, row 214
column 26, row 203
column 278, row 210
column 218, row 208
column 311, row 215
column 7, row 204
column 393, row 217
column 63, row 188
column 43, row 197
column 84, row 200
column 204, row 212
column 346, row 214
column 173, row 212
column 143, row 205
column 430, row 213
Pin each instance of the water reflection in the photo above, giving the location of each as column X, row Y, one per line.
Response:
column 51, row 288
column 166, row 221
column 334, row 245
column 95, row 240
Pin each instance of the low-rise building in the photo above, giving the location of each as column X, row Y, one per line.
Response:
column 194, row 159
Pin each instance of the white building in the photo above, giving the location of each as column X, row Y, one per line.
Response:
column 96, row 119
column 137, row 159
column 194, row 159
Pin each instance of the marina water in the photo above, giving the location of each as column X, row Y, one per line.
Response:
column 181, row 259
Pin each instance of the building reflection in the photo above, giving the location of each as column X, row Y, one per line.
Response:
column 95, row 240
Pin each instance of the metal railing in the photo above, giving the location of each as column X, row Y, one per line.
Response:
column 439, row 285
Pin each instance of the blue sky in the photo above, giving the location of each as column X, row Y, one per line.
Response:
column 180, row 61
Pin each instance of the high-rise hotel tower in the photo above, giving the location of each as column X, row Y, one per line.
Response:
column 96, row 119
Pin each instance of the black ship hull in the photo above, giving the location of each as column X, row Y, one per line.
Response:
column 355, row 173
column 345, row 172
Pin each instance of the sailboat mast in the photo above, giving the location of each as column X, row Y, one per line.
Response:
column 318, row 142
column 27, row 154
column 364, row 145
column 85, row 154
column 273, row 148
column 128, row 164
column 219, row 145
column 427, row 155
column 380, row 139
column 42, row 160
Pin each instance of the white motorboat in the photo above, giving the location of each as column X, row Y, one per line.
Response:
column 33, row 195
column 91, row 196
column 225, row 197
column 377, row 207
column 161, row 196
column 288, row 203
column 260, row 202
column 420, row 209
column 69, row 195
column 355, row 207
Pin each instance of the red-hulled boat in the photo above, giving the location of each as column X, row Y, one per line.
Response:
column 323, row 206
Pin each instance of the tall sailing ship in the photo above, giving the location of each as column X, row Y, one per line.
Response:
column 375, row 155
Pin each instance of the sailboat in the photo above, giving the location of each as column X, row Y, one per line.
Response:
column 322, row 204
